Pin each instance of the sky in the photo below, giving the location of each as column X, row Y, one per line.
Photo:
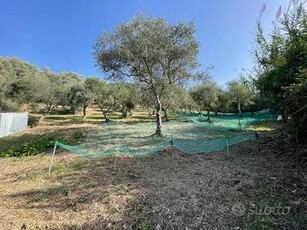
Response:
column 60, row 34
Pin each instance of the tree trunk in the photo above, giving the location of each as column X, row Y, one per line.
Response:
column 149, row 112
column 124, row 112
column 73, row 109
column 165, row 114
column 49, row 109
column 104, row 113
column 84, row 111
column 86, row 104
column 105, row 116
column 158, row 117
column 239, row 108
column 284, row 116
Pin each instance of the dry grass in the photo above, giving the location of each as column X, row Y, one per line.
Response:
column 77, row 191
column 168, row 191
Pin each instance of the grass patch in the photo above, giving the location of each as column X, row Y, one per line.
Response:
column 63, row 117
column 37, row 146
column 133, row 199
column 265, row 125
column 29, row 148
column 79, row 165
column 36, row 176
column 55, row 170
column 143, row 225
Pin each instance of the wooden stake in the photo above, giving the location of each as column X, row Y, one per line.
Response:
column 55, row 145
column 227, row 147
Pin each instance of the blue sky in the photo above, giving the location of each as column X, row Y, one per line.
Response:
column 60, row 33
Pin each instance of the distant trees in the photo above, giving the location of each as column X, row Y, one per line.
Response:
column 16, row 80
column 152, row 52
column 223, row 101
column 239, row 94
column 126, row 98
column 49, row 93
column 23, row 83
column 205, row 97
column 88, row 93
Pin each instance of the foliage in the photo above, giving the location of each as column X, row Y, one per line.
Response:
column 222, row 103
column 30, row 148
column 205, row 96
column 40, row 145
column 105, row 97
column 239, row 94
column 15, row 89
column 282, row 64
column 152, row 52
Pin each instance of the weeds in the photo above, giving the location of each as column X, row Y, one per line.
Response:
column 37, row 146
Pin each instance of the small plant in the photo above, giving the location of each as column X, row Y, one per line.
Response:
column 38, row 146
column 77, row 137
column 143, row 224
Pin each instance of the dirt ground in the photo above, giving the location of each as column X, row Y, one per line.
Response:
column 171, row 190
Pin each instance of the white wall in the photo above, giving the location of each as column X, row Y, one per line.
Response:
column 12, row 123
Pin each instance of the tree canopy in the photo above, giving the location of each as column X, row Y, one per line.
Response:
column 152, row 52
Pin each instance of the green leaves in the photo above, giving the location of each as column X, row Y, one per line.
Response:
column 30, row 148
column 282, row 66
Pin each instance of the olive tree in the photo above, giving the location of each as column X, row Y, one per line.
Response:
column 239, row 94
column 150, row 51
column 18, row 83
column 126, row 98
column 205, row 97
column 87, row 94
column 105, row 98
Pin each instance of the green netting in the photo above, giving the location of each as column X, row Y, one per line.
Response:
column 190, row 134
column 228, row 121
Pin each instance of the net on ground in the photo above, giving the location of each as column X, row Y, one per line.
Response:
column 190, row 134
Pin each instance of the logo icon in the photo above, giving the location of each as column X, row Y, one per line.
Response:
column 238, row 209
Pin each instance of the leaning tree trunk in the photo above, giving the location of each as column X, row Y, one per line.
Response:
column 84, row 110
column 106, row 119
column 158, row 118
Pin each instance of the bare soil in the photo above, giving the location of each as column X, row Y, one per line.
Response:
column 171, row 190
